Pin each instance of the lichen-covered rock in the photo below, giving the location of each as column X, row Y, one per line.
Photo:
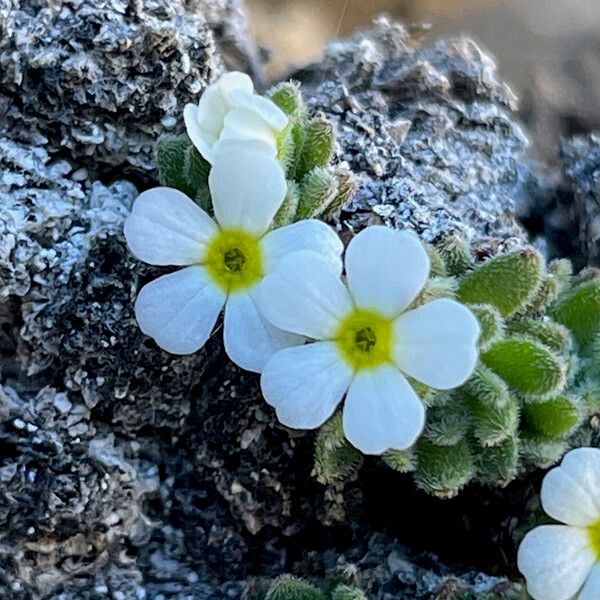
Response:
column 99, row 81
column 131, row 473
column 427, row 129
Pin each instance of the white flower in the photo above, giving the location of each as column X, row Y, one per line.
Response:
column 367, row 340
column 562, row 562
column 230, row 110
column 225, row 259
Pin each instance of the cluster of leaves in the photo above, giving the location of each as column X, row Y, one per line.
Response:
column 536, row 384
column 306, row 149
column 288, row 587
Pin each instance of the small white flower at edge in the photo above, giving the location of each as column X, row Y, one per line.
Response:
column 225, row 259
column 367, row 340
column 562, row 562
column 230, row 110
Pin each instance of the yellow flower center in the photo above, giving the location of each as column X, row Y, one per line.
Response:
column 365, row 339
column 234, row 260
column 594, row 533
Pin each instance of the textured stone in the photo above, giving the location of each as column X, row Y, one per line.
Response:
column 126, row 472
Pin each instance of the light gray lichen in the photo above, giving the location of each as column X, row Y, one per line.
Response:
column 126, row 472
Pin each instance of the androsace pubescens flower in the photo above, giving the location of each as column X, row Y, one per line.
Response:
column 367, row 340
column 562, row 562
column 230, row 110
column 225, row 259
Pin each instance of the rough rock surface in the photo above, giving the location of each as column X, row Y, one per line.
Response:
column 129, row 473
column 428, row 129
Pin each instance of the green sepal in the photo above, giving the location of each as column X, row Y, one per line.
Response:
column 493, row 422
column 579, row 310
column 491, row 323
column 403, row 461
column 181, row 166
column 499, row 464
column 456, row 254
column 443, row 470
column 448, row 424
column 335, row 458
column 508, row 281
column 318, row 139
column 288, row 209
column 552, row 334
column 347, row 592
column 287, row 587
column 550, row 420
column 526, row 365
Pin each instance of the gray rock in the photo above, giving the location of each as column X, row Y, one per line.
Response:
column 127, row 472
column 428, row 130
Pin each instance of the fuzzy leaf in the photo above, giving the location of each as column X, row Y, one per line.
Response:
column 579, row 311
column 403, row 461
column 318, row 190
column 486, row 387
column 288, row 587
column 435, row 288
column 287, row 211
column 542, row 454
column 526, row 365
column 491, row 322
column 346, row 186
column 508, row 281
column 288, row 98
column 554, row 419
column 347, row 592
column 493, row 423
column 317, row 147
column 554, row 335
column 335, row 458
column 497, row 465
column 456, row 254
column 448, row 424
column 443, row 470
column 437, row 266
column 180, row 166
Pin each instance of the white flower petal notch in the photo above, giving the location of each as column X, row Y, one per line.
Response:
column 224, row 259
column 229, row 109
column 562, row 562
column 375, row 341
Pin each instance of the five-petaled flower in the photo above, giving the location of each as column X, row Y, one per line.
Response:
column 562, row 562
column 230, row 110
column 368, row 340
column 225, row 259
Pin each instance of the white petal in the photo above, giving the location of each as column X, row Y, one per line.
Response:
column 250, row 340
column 305, row 295
column 591, row 589
column 437, row 343
column 265, row 108
column 305, row 383
column 165, row 227
column 179, row 310
column 244, row 125
column 309, row 234
column 382, row 411
column 202, row 139
column 247, row 188
column 212, row 110
column 555, row 560
column 230, row 82
column 386, row 269
column 571, row 492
